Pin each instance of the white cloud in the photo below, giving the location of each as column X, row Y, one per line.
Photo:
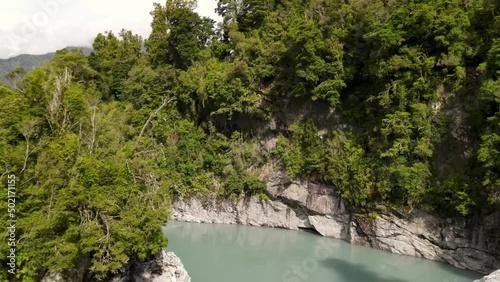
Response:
column 41, row 26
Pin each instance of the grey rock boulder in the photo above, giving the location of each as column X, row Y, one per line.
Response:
column 166, row 267
column 329, row 227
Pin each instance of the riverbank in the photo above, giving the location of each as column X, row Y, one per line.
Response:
column 304, row 205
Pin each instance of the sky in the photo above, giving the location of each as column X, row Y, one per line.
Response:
column 42, row 26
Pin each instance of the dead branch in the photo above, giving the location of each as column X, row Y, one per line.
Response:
column 153, row 115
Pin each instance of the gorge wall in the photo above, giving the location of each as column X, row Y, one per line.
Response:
column 296, row 205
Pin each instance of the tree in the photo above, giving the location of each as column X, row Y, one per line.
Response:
column 15, row 77
column 489, row 151
column 178, row 34
column 83, row 205
column 113, row 57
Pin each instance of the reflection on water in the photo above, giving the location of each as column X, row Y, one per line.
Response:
column 217, row 252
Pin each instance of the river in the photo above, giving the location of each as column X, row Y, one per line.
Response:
column 232, row 253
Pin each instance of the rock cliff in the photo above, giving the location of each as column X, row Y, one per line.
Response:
column 305, row 205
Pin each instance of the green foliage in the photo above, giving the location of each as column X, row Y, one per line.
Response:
column 263, row 196
column 80, row 198
column 316, row 61
column 178, row 34
column 304, row 155
column 28, row 63
column 219, row 90
column 236, row 185
column 113, row 58
column 389, row 93
column 420, row 52
column 145, row 86
column 351, row 170
column 455, row 196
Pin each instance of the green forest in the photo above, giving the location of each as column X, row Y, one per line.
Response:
column 396, row 104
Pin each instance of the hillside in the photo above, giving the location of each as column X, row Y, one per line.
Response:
column 28, row 62
column 394, row 104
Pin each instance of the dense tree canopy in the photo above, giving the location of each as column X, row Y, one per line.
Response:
column 394, row 103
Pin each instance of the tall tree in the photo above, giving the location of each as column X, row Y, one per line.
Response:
column 15, row 77
column 178, row 34
column 113, row 57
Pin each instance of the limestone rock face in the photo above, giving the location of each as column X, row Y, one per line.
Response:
column 293, row 205
column 299, row 204
column 248, row 211
column 427, row 236
column 329, row 227
column 317, row 199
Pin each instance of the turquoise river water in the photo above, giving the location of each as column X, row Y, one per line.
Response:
column 232, row 253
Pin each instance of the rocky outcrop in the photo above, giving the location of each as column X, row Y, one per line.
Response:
column 165, row 267
column 247, row 211
column 301, row 204
column 329, row 227
column 78, row 274
column 293, row 205
column 427, row 236
column 493, row 277
column 55, row 277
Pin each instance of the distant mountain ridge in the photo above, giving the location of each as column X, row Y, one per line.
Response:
column 28, row 62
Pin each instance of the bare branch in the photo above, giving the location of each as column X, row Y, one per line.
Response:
column 153, row 115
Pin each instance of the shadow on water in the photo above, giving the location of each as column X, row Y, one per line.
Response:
column 310, row 231
column 214, row 252
column 452, row 270
column 356, row 272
